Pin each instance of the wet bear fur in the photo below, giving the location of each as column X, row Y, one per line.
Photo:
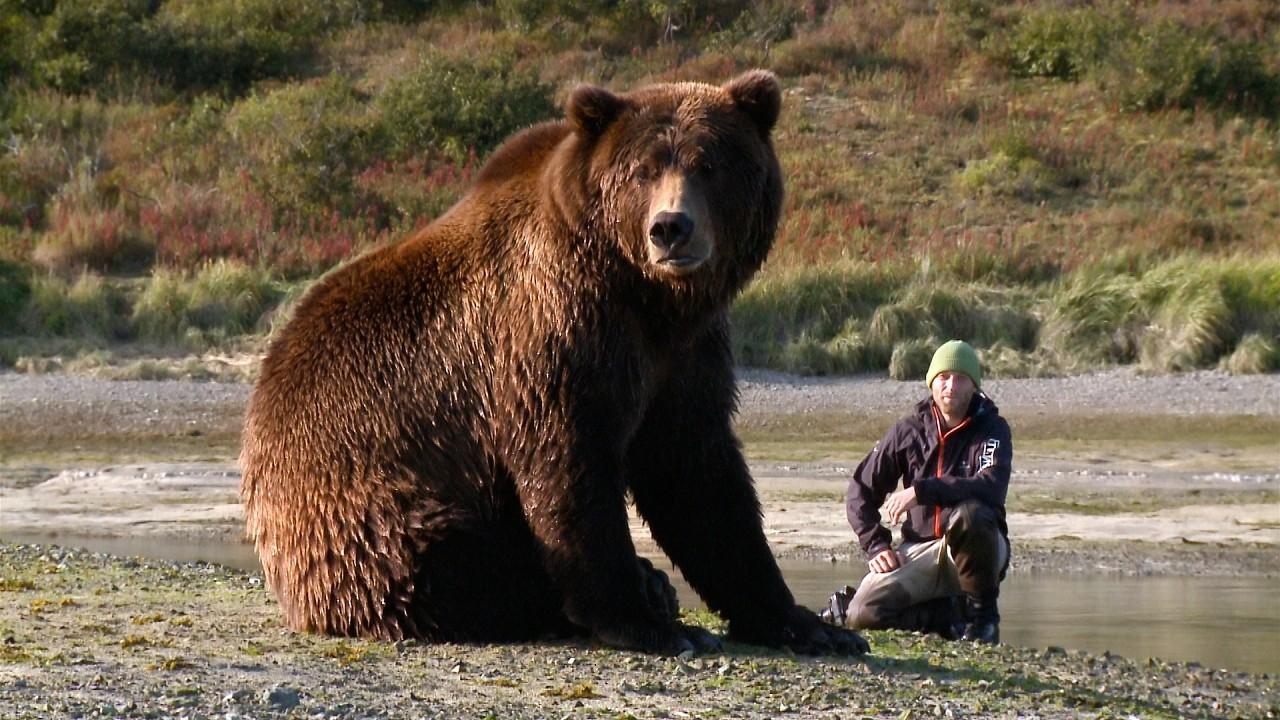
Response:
column 443, row 439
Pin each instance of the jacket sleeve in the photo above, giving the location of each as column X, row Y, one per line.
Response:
column 875, row 478
column 989, row 483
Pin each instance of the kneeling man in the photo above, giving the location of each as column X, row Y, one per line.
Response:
column 953, row 455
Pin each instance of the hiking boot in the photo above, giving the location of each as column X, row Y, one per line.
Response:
column 838, row 605
column 987, row 633
column 983, row 619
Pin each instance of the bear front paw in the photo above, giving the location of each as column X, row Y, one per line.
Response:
column 704, row 642
column 804, row 633
column 668, row 640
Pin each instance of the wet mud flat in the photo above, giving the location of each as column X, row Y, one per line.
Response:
column 92, row 635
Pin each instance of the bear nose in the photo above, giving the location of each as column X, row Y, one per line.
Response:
column 670, row 230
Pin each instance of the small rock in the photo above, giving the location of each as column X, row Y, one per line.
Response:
column 239, row 696
column 281, row 697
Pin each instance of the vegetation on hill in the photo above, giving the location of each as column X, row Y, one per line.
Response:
column 1067, row 185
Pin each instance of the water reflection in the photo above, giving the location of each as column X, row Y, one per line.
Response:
column 1219, row 622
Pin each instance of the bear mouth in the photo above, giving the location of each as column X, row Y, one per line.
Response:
column 680, row 264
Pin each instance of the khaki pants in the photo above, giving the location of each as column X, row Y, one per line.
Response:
column 971, row 557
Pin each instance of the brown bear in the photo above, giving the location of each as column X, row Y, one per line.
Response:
column 443, row 439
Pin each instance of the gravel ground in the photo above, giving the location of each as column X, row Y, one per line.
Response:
column 1120, row 390
column 89, row 635
column 81, row 405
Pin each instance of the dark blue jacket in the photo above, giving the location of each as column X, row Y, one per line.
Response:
column 976, row 459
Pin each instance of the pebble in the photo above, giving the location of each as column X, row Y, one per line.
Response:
column 281, row 697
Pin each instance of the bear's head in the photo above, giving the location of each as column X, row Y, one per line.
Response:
column 683, row 176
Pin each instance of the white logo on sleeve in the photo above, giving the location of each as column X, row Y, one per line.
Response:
column 988, row 454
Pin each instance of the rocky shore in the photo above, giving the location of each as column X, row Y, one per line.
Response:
column 88, row 635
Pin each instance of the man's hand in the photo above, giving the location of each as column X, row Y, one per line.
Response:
column 899, row 503
column 884, row 561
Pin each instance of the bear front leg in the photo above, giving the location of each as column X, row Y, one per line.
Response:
column 575, row 505
column 692, row 486
column 707, row 518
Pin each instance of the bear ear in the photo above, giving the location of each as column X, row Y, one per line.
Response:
column 758, row 94
column 591, row 109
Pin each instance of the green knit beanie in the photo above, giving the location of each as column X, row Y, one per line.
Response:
column 955, row 356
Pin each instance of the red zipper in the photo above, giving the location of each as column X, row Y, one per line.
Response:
column 942, row 453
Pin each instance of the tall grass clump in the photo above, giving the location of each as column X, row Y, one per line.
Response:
column 859, row 317
column 812, row 318
column 1254, row 354
column 1183, row 314
column 217, row 303
column 943, row 308
column 86, row 307
column 910, row 359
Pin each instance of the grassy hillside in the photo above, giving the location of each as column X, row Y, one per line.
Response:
column 1067, row 185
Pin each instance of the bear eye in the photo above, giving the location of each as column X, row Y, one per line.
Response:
column 643, row 172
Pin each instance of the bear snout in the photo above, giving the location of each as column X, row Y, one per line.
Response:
column 677, row 229
column 670, row 231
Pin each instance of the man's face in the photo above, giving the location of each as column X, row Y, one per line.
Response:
column 952, row 392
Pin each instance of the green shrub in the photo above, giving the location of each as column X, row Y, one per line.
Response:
column 1144, row 64
column 79, row 46
column 221, row 301
column 81, row 41
column 1169, row 65
column 16, row 31
column 1027, row 179
column 639, row 23
column 1015, row 167
column 455, row 107
column 232, row 43
column 303, row 144
column 759, row 26
column 971, row 18
column 1059, row 43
